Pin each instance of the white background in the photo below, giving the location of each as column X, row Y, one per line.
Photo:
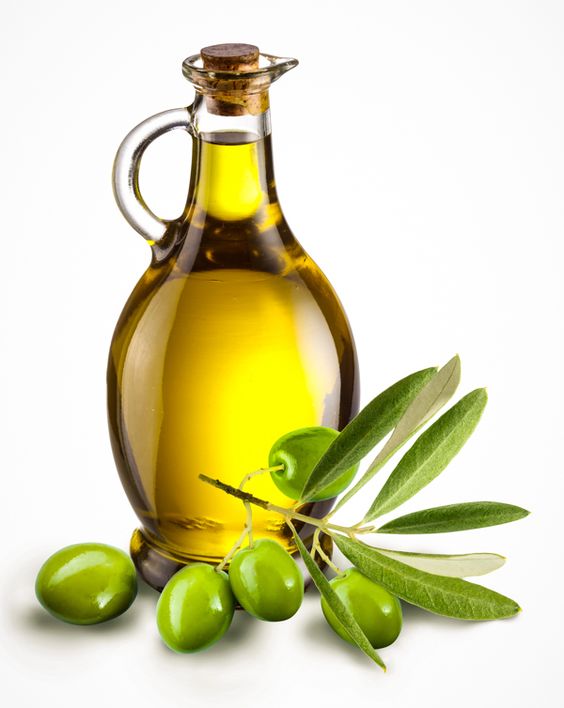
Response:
column 419, row 158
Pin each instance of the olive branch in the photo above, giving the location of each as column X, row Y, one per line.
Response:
column 434, row 582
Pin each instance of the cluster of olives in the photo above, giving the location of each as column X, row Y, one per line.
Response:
column 91, row 582
column 196, row 606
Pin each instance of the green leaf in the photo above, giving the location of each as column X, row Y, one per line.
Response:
column 430, row 453
column 455, row 517
column 454, row 566
column 430, row 399
column 365, row 431
column 451, row 597
column 334, row 602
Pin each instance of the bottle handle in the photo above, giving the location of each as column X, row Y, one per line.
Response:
column 125, row 176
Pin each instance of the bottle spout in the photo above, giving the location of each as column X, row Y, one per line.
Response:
column 235, row 78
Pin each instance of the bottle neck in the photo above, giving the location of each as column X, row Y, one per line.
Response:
column 232, row 171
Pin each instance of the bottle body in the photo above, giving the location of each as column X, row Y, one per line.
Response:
column 230, row 341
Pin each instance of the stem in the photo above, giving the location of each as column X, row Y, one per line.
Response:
column 248, row 530
column 329, row 562
column 360, row 529
column 263, row 504
column 238, row 493
column 256, row 473
column 249, row 524
column 236, row 546
column 316, row 547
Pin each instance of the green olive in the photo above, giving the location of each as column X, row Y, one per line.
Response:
column 87, row 583
column 266, row 581
column 195, row 608
column 299, row 452
column 376, row 610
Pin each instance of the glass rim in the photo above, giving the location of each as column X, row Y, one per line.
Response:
column 192, row 68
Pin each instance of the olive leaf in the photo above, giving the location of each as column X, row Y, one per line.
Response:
column 455, row 517
column 365, row 431
column 430, row 453
column 430, row 399
column 454, row 566
column 451, row 597
column 334, row 602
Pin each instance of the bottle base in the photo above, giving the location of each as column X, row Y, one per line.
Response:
column 156, row 568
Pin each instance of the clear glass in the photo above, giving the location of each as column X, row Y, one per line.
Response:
column 232, row 338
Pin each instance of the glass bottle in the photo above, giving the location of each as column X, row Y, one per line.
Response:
column 232, row 337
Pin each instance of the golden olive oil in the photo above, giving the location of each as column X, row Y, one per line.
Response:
column 232, row 338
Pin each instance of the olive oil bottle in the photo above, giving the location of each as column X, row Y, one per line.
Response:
column 232, row 337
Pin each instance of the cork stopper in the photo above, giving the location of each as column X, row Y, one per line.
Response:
column 230, row 57
column 242, row 96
